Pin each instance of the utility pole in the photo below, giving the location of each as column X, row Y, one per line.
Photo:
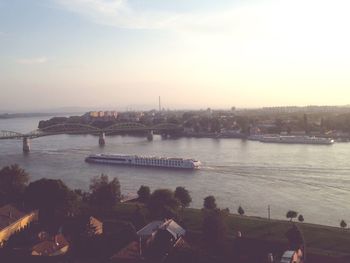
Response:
column 269, row 212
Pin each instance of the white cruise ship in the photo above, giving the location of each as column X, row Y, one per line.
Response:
column 296, row 139
column 136, row 160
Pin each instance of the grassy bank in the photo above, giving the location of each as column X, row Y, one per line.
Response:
column 320, row 240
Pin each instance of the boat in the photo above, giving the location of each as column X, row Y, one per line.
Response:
column 296, row 139
column 151, row 161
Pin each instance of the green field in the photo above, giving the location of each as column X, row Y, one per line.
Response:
column 320, row 240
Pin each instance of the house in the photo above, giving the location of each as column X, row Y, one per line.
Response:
column 148, row 232
column 55, row 247
column 291, row 256
column 12, row 220
column 95, row 226
column 156, row 241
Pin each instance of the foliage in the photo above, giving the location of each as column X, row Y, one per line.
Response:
column 240, row 210
column 295, row 237
column 138, row 218
column 144, row 193
column 52, row 197
column 210, row 202
column 13, row 181
column 291, row 214
column 319, row 238
column 163, row 204
column 214, row 229
column 183, row 196
column 343, row 224
column 301, row 218
column 104, row 193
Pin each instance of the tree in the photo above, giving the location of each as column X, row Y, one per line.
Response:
column 301, row 218
column 13, row 181
column 240, row 210
column 209, row 202
column 295, row 237
column 291, row 214
column 214, row 125
column 52, row 197
column 163, row 204
column 214, row 230
column 138, row 218
column 144, row 193
column 183, row 196
column 104, row 193
column 343, row 224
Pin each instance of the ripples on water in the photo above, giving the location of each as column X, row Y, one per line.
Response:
column 313, row 180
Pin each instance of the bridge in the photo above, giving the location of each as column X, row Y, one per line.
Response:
column 76, row 128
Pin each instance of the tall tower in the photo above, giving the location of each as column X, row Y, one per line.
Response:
column 160, row 108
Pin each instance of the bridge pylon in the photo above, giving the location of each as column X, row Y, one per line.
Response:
column 26, row 144
column 150, row 135
column 102, row 139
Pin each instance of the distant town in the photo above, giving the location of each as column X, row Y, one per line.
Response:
column 319, row 121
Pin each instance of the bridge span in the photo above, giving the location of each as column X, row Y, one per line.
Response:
column 76, row 128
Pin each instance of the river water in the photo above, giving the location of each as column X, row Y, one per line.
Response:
column 311, row 179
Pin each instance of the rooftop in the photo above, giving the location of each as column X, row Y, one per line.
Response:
column 49, row 247
column 170, row 225
column 8, row 215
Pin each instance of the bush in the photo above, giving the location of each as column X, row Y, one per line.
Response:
column 183, row 196
column 240, row 210
column 291, row 214
column 144, row 193
column 162, row 204
column 210, row 203
column 300, row 218
column 343, row 224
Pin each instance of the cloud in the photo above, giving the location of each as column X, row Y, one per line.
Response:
column 125, row 14
column 118, row 13
column 299, row 25
column 32, row 61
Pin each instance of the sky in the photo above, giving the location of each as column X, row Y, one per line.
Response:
column 192, row 53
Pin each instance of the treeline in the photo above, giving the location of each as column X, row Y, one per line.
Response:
column 55, row 200
column 52, row 197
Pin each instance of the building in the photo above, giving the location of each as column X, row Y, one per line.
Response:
column 93, row 114
column 55, row 247
column 157, row 240
column 291, row 256
column 102, row 115
column 12, row 220
column 96, row 226
column 169, row 225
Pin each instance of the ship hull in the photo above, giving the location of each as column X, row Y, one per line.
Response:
column 175, row 163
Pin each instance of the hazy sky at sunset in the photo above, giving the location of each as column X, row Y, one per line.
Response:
column 193, row 53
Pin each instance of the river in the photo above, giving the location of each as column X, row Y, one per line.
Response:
column 311, row 179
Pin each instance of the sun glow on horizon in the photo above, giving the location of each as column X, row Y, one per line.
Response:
column 250, row 54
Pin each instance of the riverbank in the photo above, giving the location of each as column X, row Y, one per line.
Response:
column 328, row 244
